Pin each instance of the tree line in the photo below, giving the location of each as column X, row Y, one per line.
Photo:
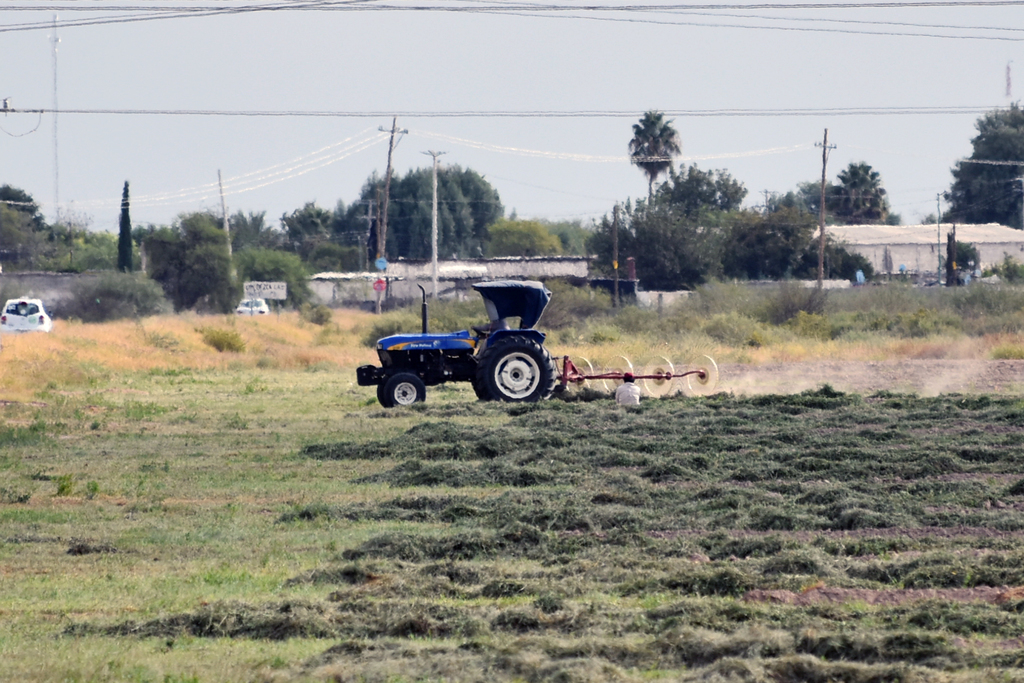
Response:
column 689, row 229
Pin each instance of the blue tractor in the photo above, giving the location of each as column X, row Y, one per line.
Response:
column 502, row 363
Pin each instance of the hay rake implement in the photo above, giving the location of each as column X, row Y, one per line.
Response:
column 657, row 377
column 510, row 364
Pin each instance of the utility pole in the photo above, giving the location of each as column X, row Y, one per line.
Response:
column 364, row 248
column 433, row 224
column 615, row 253
column 224, row 212
column 825, row 147
column 382, row 218
column 56, row 156
column 1022, row 201
column 227, row 228
column 938, row 236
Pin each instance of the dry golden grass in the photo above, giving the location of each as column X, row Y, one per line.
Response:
column 877, row 349
column 76, row 353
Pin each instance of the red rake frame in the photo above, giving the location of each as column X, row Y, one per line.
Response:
column 570, row 373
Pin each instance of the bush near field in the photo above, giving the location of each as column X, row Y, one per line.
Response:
column 115, row 296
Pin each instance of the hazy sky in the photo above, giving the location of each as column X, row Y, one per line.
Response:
column 538, row 98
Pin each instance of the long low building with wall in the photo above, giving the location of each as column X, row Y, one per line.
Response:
column 915, row 249
column 403, row 276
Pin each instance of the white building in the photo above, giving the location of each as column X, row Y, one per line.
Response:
column 917, row 247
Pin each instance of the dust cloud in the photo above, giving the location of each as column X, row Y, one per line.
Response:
column 924, row 377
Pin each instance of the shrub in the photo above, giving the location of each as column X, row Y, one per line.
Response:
column 925, row 322
column 736, row 330
column 791, row 299
column 722, row 297
column 65, row 485
column 1010, row 269
column 1008, row 352
column 450, row 315
column 571, row 305
column 984, row 300
column 223, row 340
column 391, row 323
column 811, row 325
column 114, row 296
column 318, row 315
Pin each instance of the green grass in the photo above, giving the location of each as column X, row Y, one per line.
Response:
column 277, row 525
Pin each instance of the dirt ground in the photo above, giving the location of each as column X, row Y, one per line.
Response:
column 923, row 377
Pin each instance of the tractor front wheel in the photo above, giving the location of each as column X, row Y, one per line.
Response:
column 402, row 389
column 516, row 369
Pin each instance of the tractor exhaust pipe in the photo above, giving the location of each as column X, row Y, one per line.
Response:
column 423, row 308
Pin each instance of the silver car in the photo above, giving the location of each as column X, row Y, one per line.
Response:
column 252, row 307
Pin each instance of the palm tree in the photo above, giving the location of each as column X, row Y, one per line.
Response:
column 654, row 144
column 860, row 197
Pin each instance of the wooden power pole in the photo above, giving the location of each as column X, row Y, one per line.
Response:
column 382, row 216
column 825, row 147
column 615, row 253
column 433, row 225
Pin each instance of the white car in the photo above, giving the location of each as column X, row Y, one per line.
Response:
column 252, row 307
column 25, row 315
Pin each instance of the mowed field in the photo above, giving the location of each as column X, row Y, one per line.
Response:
column 171, row 513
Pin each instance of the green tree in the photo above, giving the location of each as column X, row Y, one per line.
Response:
column 693, row 192
column 521, row 238
column 271, row 265
column 124, row 239
column 190, row 260
column 75, row 250
column 767, row 247
column 859, row 198
column 22, row 229
column 466, row 205
column 655, row 143
column 671, row 252
column 308, row 227
column 991, row 193
column 252, row 231
column 839, row 263
column 22, row 202
column 18, row 241
column 334, row 258
column 571, row 234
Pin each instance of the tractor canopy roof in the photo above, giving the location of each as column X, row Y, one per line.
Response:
column 510, row 298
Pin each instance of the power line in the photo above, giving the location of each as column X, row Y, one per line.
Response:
column 357, row 5
column 158, row 12
column 549, row 114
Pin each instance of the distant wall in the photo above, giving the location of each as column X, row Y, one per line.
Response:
column 918, row 248
column 920, row 258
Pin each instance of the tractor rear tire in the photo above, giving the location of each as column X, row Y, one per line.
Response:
column 516, row 369
column 402, row 389
column 480, row 389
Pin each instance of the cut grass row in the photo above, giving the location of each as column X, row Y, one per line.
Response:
column 212, row 517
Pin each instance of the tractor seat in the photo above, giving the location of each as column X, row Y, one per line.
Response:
column 493, row 326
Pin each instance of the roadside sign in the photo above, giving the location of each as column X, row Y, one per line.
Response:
column 379, row 286
column 266, row 290
column 381, row 263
